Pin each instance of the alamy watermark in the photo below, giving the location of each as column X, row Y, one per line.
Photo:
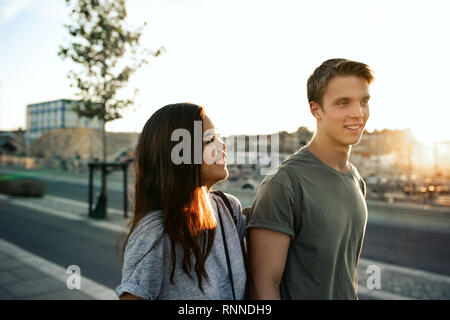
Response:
column 374, row 280
column 241, row 150
column 74, row 279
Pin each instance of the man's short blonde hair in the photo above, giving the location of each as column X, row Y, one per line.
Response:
column 318, row 80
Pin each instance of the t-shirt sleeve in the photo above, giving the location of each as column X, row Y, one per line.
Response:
column 142, row 275
column 274, row 205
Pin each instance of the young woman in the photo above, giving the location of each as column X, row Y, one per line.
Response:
column 175, row 248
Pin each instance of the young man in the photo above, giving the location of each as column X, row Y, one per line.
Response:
column 307, row 221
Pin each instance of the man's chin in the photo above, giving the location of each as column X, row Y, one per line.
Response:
column 354, row 143
column 350, row 142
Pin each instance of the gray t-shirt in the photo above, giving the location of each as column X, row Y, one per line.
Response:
column 150, row 278
column 327, row 227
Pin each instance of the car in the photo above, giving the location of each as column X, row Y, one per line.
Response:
column 249, row 185
column 124, row 156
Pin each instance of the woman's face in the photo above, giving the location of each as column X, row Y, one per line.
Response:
column 214, row 165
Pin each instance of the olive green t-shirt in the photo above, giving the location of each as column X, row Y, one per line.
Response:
column 325, row 214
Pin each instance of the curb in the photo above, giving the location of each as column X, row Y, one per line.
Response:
column 412, row 208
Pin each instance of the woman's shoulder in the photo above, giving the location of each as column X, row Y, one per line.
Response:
column 149, row 226
column 233, row 200
column 149, row 234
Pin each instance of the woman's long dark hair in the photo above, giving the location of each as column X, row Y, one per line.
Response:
column 175, row 190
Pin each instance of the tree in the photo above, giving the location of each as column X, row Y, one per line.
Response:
column 106, row 54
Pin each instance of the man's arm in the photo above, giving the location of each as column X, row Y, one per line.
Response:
column 267, row 259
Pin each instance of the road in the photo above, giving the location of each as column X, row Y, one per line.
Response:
column 63, row 241
column 66, row 242
column 80, row 193
column 417, row 248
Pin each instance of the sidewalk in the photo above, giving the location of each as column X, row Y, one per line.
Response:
column 25, row 276
column 401, row 283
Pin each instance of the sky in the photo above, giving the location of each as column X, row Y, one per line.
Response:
column 246, row 62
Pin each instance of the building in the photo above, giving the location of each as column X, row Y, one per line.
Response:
column 82, row 143
column 45, row 116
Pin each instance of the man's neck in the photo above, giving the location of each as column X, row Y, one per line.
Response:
column 332, row 154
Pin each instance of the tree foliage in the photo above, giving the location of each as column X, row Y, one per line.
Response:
column 106, row 52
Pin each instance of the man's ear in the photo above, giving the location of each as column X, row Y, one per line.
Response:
column 315, row 108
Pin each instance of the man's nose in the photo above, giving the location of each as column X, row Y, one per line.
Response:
column 357, row 111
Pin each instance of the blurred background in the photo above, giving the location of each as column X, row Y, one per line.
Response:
column 247, row 63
